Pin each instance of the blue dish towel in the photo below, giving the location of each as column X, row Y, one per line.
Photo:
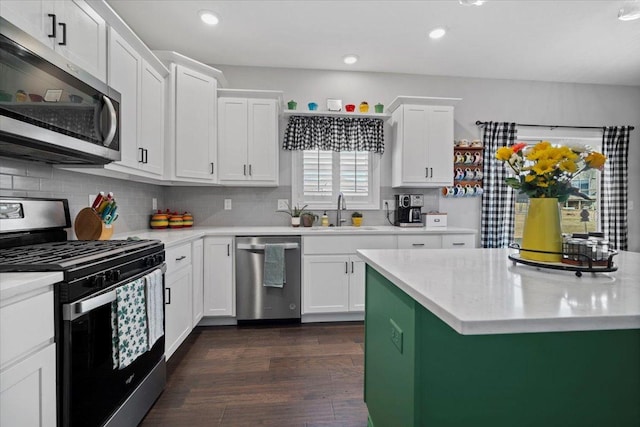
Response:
column 274, row 265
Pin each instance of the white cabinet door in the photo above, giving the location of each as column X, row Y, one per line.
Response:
column 195, row 138
column 151, row 135
column 440, row 141
column 31, row 17
column 262, row 130
column 124, row 76
column 423, row 147
column 197, row 257
column 232, row 140
column 325, row 284
column 178, row 318
column 356, row 283
column 415, row 148
column 85, row 41
column 219, row 286
column 28, row 391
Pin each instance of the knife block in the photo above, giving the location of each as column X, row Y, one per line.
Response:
column 89, row 226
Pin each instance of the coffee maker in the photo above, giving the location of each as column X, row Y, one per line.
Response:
column 409, row 210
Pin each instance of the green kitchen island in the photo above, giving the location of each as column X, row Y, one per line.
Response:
column 466, row 338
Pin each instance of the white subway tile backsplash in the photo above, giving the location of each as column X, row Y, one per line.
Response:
column 12, row 167
column 6, row 181
column 40, row 171
column 26, row 183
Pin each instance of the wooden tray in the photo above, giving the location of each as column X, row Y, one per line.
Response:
column 89, row 226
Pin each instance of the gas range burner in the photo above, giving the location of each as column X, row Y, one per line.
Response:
column 60, row 256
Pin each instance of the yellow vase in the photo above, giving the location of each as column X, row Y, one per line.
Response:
column 542, row 230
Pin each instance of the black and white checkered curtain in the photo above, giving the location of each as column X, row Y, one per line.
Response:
column 334, row 133
column 613, row 185
column 498, row 199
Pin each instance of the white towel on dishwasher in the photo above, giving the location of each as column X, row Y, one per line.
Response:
column 155, row 316
column 155, row 306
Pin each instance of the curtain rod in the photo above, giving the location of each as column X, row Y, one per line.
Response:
column 479, row 123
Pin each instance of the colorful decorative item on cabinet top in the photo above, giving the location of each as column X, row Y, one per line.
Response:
column 292, row 105
column 364, row 107
column 379, row 108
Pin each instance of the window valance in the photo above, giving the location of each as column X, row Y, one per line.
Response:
column 334, row 133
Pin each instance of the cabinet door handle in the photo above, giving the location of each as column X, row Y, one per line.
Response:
column 457, row 244
column 181, row 258
column 426, row 172
column 168, row 296
column 431, row 169
column 141, row 150
column 64, row 34
column 53, row 25
column 346, row 267
column 146, row 156
column 351, row 267
column 250, row 173
column 212, row 168
column 244, row 171
column 417, row 244
column 228, row 249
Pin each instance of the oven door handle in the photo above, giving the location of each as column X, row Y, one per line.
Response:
column 75, row 310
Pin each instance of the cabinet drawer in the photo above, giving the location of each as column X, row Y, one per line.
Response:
column 25, row 325
column 317, row 245
column 420, row 241
column 178, row 257
column 458, row 241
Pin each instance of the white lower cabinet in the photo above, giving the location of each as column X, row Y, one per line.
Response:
column 178, row 283
column 437, row 241
column 219, row 284
column 336, row 283
column 458, row 241
column 197, row 257
column 28, row 391
column 28, row 361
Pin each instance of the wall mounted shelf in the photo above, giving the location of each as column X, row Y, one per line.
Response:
column 383, row 116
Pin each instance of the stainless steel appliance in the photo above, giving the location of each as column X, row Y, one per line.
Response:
column 48, row 113
column 254, row 301
column 409, row 210
column 91, row 391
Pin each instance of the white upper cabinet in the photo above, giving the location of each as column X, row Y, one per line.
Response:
column 70, row 27
column 422, row 142
column 141, row 109
column 191, row 133
column 248, row 137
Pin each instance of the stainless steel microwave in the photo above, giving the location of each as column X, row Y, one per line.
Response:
column 50, row 110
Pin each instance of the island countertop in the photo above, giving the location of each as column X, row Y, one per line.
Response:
column 481, row 291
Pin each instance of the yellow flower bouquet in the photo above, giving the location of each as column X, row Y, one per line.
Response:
column 546, row 171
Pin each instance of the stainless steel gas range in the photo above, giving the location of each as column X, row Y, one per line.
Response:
column 102, row 378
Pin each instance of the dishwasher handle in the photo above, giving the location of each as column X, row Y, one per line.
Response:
column 260, row 247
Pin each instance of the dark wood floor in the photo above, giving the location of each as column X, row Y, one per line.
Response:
column 295, row 375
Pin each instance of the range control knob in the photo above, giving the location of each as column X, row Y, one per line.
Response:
column 115, row 274
column 100, row 280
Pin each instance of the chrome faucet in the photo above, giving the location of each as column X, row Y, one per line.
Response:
column 342, row 205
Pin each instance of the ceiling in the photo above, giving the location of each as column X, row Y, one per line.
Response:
column 562, row 41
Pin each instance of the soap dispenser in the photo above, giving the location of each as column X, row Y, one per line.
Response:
column 325, row 219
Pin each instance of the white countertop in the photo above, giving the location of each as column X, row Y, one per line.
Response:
column 480, row 291
column 13, row 284
column 173, row 237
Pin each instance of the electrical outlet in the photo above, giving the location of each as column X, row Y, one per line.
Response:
column 283, row 204
column 92, row 197
column 227, row 204
column 389, row 204
column 396, row 335
column 154, row 203
column 630, row 205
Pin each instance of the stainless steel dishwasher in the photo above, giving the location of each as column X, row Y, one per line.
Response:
column 254, row 301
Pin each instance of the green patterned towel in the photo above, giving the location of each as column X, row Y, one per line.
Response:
column 129, row 324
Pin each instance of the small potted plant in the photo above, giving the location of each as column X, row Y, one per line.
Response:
column 295, row 212
column 308, row 219
column 356, row 219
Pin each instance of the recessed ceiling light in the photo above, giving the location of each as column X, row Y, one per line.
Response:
column 437, row 33
column 208, row 17
column 629, row 12
column 471, row 2
column 350, row 59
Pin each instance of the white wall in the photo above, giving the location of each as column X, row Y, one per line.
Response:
column 483, row 99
